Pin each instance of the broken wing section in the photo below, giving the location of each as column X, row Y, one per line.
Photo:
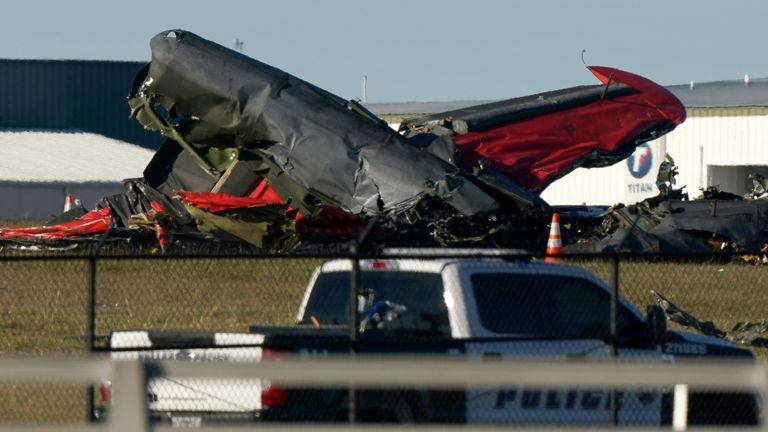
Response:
column 538, row 139
column 312, row 147
column 92, row 222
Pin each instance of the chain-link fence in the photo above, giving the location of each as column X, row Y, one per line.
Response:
column 481, row 304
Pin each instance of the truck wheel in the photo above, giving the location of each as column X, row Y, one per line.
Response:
column 722, row 408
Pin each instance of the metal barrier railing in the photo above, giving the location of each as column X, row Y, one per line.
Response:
column 129, row 380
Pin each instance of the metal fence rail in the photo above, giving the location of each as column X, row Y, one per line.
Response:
column 63, row 305
column 129, row 381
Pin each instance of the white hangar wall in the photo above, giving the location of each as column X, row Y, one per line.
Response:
column 713, row 147
column 44, row 200
column 720, row 147
column 38, row 168
column 628, row 181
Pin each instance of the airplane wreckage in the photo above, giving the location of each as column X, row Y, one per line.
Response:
column 255, row 155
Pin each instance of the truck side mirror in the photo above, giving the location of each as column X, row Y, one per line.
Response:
column 657, row 324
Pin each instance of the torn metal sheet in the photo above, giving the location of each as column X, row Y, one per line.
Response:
column 538, row 139
column 685, row 319
column 138, row 199
column 750, row 333
column 93, row 222
column 337, row 154
column 741, row 222
column 216, row 202
column 677, row 226
column 670, row 223
column 266, row 226
column 217, row 99
column 745, row 333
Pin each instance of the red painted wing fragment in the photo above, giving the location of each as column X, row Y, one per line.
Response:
column 216, row 202
column 93, row 222
column 538, row 150
column 330, row 222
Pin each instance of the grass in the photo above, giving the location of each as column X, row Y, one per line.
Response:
column 44, row 304
column 44, row 311
column 42, row 403
column 21, row 223
column 725, row 294
column 223, row 295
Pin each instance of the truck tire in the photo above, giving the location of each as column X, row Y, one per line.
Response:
column 718, row 408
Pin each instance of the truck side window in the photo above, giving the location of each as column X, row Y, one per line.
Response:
column 420, row 293
column 542, row 305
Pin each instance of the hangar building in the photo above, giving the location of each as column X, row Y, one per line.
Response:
column 65, row 130
column 724, row 138
column 38, row 169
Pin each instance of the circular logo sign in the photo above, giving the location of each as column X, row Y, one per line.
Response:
column 641, row 161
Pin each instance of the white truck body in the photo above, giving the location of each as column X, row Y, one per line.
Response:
column 182, row 399
column 466, row 287
column 529, row 406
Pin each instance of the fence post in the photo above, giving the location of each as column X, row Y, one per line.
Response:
column 764, row 388
column 354, row 289
column 680, row 410
column 90, row 329
column 129, row 411
column 614, row 332
column 90, row 324
column 354, row 318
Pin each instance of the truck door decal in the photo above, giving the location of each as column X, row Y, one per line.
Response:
column 588, row 400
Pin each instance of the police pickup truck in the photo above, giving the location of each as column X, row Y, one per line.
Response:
column 484, row 308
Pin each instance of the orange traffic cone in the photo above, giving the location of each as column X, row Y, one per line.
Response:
column 554, row 243
column 68, row 205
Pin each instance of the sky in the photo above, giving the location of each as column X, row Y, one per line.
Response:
column 418, row 50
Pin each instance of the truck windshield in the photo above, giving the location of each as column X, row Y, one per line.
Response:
column 420, row 293
column 554, row 306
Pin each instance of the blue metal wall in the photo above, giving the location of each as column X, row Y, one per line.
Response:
column 71, row 94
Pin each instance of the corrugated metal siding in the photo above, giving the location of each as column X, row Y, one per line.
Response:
column 726, row 137
column 71, row 94
column 684, row 145
column 714, row 147
column 30, row 94
column 609, row 185
column 726, row 112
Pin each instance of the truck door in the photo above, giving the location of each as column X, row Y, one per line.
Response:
column 551, row 316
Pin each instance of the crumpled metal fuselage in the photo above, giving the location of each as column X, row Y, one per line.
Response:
column 316, row 149
column 306, row 137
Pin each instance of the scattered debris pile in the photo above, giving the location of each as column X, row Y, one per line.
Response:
column 745, row 333
column 748, row 333
column 679, row 316
column 671, row 223
column 257, row 155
